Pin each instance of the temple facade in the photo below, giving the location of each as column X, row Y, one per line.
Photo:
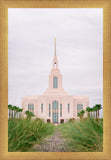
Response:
column 55, row 105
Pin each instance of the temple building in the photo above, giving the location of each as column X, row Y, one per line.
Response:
column 55, row 105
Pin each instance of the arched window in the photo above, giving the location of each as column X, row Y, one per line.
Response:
column 55, row 112
column 60, row 110
column 49, row 110
column 55, row 84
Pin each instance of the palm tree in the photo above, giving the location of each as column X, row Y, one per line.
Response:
column 88, row 109
column 82, row 113
column 29, row 114
column 91, row 110
column 20, row 110
column 17, row 111
column 15, row 108
column 95, row 108
column 94, row 112
column 79, row 115
column 98, row 108
column 10, row 108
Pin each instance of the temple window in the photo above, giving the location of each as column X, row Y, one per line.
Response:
column 68, row 108
column 49, row 110
column 41, row 108
column 55, row 83
column 60, row 110
column 79, row 108
column 31, row 108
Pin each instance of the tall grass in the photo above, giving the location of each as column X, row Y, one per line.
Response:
column 84, row 135
column 23, row 133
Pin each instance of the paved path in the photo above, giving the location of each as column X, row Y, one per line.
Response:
column 54, row 143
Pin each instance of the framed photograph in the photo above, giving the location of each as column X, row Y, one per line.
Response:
column 55, row 79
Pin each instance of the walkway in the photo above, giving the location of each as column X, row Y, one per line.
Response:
column 54, row 143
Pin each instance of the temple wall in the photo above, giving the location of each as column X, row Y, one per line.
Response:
column 61, row 99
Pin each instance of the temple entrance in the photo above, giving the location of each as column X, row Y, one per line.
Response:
column 55, row 112
column 62, row 120
column 48, row 120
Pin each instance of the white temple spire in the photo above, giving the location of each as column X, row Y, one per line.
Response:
column 55, row 46
column 55, row 62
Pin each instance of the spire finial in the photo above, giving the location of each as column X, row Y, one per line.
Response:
column 55, row 46
column 55, row 62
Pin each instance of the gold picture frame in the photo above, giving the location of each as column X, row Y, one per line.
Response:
column 4, row 5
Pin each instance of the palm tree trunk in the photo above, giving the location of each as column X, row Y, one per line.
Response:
column 12, row 113
column 91, row 114
column 98, row 113
column 94, row 114
column 9, row 113
column 19, row 114
column 88, row 114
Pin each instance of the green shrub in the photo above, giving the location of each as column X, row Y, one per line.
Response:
column 71, row 120
column 84, row 135
column 23, row 133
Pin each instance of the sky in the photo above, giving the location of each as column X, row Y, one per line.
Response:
column 79, row 49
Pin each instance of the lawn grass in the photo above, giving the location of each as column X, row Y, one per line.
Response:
column 23, row 133
column 83, row 136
